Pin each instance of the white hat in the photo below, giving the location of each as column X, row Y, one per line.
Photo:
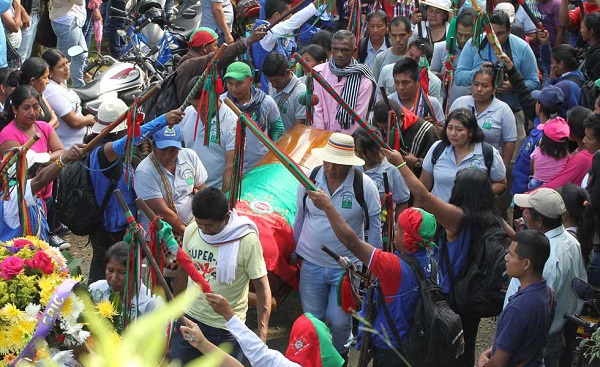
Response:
column 108, row 112
column 32, row 158
column 440, row 4
column 339, row 150
column 508, row 9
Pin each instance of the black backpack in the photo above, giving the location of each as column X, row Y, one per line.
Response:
column 480, row 290
column 487, row 148
column 589, row 91
column 359, row 193
column 435, row 337
column 164, row 100
column 76, row 201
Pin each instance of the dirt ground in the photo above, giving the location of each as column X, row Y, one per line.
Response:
column 283, row 318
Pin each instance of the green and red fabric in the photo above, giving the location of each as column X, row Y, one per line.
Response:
column 134, row 121
column 419, row 228
column 422, row 98
column 310, row 344
column 208, row 107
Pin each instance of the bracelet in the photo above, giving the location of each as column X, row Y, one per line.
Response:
column 59, row 163
column 401, row 165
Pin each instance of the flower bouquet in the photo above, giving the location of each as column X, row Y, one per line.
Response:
column 38, row 310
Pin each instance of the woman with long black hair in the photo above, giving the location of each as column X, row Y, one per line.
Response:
column 469, row 212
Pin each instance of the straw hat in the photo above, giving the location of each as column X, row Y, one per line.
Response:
column 440, row 4
column 108, row 112
column 339, row 150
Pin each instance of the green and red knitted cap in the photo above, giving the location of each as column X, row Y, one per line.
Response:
column 310, row 344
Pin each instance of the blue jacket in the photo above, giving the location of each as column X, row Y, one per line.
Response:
column 522, row 56
column 37, row 215
column 403, row 304
column 570, row 89
column 522, row 170
column 113, row 218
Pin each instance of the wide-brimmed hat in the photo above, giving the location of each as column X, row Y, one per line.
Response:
column 108, row 112
column 32, row 158
column 339, row 150
column 545, row 201
column 508, row 9
column 440, row 4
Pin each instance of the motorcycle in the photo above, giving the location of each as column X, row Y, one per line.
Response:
column 588, row 352
column 111, row 79
column 151, row 35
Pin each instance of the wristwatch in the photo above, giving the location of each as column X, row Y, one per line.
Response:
column 419, row 163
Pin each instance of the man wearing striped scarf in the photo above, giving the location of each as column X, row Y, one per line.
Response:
column 354, row 80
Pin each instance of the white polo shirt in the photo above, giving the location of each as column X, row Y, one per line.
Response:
column 445, row 168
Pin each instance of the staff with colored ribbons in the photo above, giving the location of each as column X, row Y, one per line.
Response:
column 18, row 157
column 287, row 162
column 319, row 79
column 183, row 258
column 482, row 23
column 531, row 16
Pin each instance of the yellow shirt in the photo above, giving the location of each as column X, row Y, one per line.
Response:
column 250, row 265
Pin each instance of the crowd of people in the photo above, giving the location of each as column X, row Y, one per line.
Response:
column 490, row 135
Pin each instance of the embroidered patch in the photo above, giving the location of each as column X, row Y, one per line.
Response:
column 346, row 201
column 189, row 180
column 487, row 125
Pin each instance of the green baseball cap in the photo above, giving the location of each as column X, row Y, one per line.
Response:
column 238, row 71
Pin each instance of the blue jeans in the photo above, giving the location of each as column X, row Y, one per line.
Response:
column 318, row 294
column 88, row 28
column 28, row 37
column 182, row 350
column 113, row 24
column 68, row 36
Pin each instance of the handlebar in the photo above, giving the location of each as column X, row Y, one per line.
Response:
column 587, row 325
column 117, row 10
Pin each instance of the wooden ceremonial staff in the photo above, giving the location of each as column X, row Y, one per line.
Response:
column 489, row 31
column 200, row 83
column 10, row 160
column 144, row 245
column 94, row 142
column 531, row 16
column 329, row 89
column 285, row 160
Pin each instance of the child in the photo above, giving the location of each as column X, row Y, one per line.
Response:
column 552, row 153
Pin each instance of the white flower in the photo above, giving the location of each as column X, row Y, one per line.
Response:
column 75, row 335
column 72, row 308
column 32, row 311
column 61, row 358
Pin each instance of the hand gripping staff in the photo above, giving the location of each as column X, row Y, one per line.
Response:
column 183, row 258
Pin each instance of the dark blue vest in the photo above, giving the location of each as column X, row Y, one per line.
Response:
column 113, row 218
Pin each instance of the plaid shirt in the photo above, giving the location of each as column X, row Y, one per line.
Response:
column 403, row 8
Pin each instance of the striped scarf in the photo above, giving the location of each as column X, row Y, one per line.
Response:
column 354, row 72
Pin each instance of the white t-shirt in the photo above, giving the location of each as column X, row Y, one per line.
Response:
column 189, row 173
column 64, row 100
column 213, row 155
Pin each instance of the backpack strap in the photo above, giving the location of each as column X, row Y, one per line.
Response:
column 437, row 152
column 359, row 192
column 111, row 188
column 488, row 155
column 312, row 177
column 388, row 317
column 362, row 49
column 575, row 79
column 386, row 183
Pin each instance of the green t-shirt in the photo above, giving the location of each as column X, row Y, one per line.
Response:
column 250, row 265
